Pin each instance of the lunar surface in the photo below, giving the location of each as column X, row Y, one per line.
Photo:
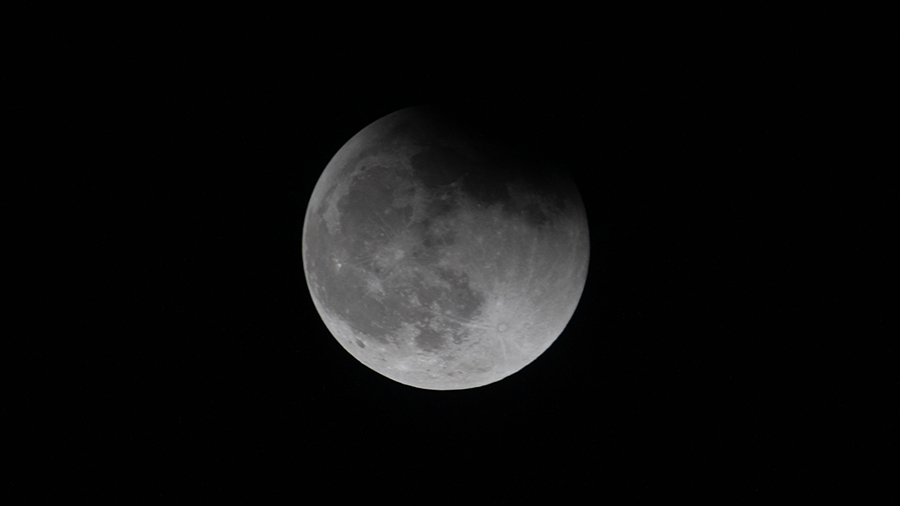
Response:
column 441, row 257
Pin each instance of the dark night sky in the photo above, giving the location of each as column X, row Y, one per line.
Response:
column 192, row 356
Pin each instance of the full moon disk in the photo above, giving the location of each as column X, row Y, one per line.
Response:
column 441, row 256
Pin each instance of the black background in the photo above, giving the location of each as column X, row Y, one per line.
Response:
column 177, row 350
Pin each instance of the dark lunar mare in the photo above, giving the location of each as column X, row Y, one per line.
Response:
column 486, row 155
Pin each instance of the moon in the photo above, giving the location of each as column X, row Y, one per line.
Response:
column 440, row 254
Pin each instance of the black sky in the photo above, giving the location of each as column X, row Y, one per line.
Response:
column 702, row 352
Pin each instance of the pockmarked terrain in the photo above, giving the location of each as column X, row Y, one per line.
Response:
column 442, row 259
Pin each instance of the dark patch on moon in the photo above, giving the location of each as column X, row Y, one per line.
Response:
column 433, row 240
column 485, row 175
column 429, row 339
column 438, row 166
column 534, row 215
column 460, row 299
